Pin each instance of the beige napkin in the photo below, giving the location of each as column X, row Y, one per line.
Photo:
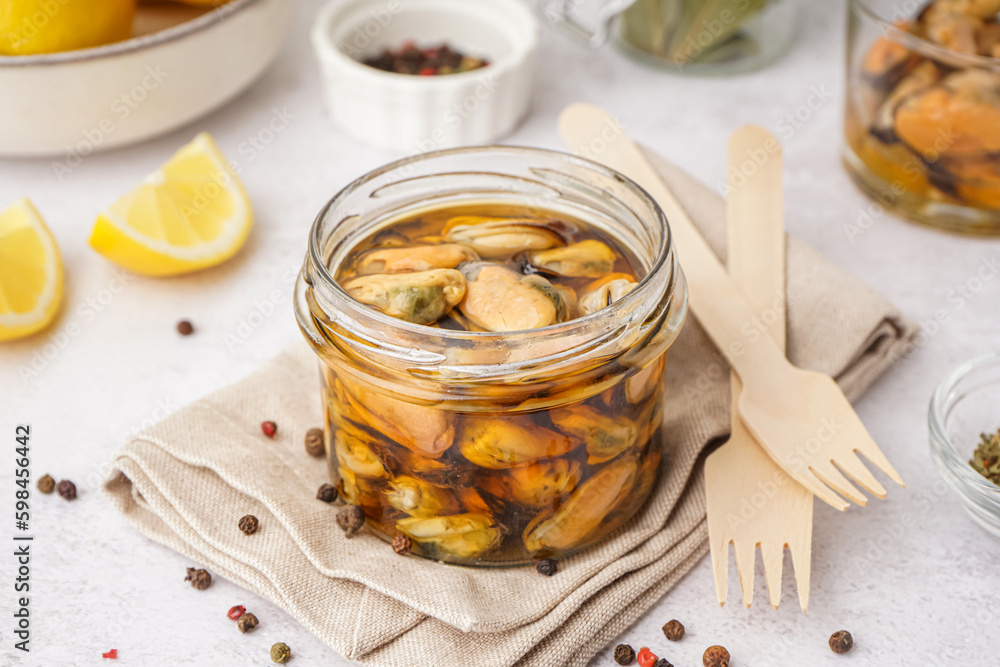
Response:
column 186, row 481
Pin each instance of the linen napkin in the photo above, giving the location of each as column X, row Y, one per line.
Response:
column 186, row 481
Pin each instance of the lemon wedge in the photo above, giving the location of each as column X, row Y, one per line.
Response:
column 31, row 273
column 190, row 214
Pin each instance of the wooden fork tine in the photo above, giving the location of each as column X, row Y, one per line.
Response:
column 827, row 472
column 720, row 568
column 821, row 490
column 801, row 560
column 773, row 554
column 863, row 443
column 746, row 561
column 856, row 470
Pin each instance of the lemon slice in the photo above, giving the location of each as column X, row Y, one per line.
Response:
column 190, row 214
column 31, row 273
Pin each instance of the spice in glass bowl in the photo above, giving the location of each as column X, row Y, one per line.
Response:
column 428, row 61
column 986, row 458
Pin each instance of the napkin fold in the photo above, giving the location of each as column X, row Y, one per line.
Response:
column 186, row 481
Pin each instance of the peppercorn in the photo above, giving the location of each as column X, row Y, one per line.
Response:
column 280, row 653
column 112, row 654
column 327, row 493
column 350, row 518
column 185, row 328
column 200, row 579
column 46, row 484
column 314, row 442
column 715, row 656
column 841, row 641
column 645, row 657
column 402, row 544
column 234, row 613
column 249, row 524
column 67, row 489
column 546, row 566
column 663, row 662
column 246, row 623
column 269, row 428
column 624, row 654
column 674, row 630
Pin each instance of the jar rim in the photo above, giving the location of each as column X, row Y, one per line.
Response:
column 641, row 293
column 887, row 27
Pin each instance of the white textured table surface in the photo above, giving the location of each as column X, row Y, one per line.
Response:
column 913, row 578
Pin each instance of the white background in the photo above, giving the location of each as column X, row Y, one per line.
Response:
column 912, row 577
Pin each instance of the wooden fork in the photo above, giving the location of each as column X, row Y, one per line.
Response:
column 751, row 501
column 801, row 418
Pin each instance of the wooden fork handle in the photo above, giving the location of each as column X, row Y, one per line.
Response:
column 715, row 299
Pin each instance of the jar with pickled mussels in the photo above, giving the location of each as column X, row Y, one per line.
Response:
column 492, row 325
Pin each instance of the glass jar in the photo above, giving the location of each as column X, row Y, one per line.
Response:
column 451, row 437
column 922, row 122
column 697, row 37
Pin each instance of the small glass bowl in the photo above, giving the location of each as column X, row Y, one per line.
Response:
column 965, row 405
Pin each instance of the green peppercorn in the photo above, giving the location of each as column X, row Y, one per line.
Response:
column 280, row 653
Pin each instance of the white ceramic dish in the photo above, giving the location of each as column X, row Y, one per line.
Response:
column 74, row 103
column 406, row 113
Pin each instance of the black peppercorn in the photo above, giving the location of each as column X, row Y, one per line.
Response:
column 314, row 442
column 715, row 656
column 350, row 518
column 624, row 654
column 200, row 579
column 327, row 493
column 67, row 489
column 185, row 328
column 546, row 566
column 402, row 544
column 280, row 653
column 246, row 622
column 674, row 630
column 662, row 662
column 249, row 524
column 46, row 484
column 841, row 641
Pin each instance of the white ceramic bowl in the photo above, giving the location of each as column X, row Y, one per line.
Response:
column 74, row 103
column 406, row 113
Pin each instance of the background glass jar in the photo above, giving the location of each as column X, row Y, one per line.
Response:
column 697, row 37
column 922, row 121
column 494, row 448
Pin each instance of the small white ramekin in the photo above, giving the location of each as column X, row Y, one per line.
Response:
column 407, row 113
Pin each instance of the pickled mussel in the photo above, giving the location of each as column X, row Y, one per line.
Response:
column 500, row 299
column 459, row 535
column 606, row 437
column 495, row 238
column 476, row 485
column 414, row 258
column 605, row 291
column 500, row 443
column 583, row 513
column 419, row 498
column 421, row 297
column 586, row 259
